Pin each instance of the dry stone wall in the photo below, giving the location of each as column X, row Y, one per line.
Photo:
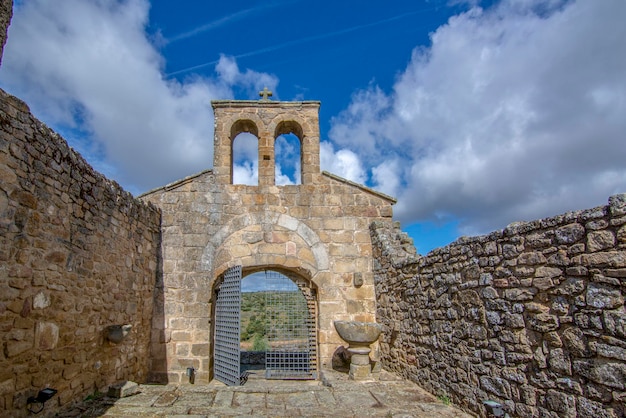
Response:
column 531, row 316
column 6, row 12
column 77, row 254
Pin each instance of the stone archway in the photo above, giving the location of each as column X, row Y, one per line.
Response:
column 292, row 351
column 266, row 239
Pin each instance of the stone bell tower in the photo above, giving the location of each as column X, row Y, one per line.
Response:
column 266, row 120
column 316, row 233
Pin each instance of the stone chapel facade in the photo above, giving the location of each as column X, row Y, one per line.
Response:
column 316, row 233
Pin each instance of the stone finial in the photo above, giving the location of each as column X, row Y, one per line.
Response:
column 265, row 94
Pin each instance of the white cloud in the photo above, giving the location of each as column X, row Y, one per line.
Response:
column 90, row 67
column 281, row 178
column 287, row 156
column 250, row 80
column 514, row 112
column 343, row 162
column 245, row 159
column 246, row 173
column 246, row 147
column 386, row 177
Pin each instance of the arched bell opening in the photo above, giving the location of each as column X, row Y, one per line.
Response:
column 288, row 155
column 245, row 159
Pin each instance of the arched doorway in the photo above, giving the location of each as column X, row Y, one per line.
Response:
column 273, row 313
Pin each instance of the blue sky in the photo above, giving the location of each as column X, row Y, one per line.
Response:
column 473, row 114
column 258, row 282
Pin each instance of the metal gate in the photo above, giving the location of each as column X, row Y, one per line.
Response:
column 291, row 332
column 227, row 313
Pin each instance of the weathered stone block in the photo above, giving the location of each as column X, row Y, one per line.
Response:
column 13, row 348
column 611, row 351
column 559, row 362
column 540, row 240
column 543, row 283
column 123, row 389
column 569, row 385
column 553, row 339
column 548, row 272
column 181, row 336
column 569, row 234
column 41, row 300
column 590, row 409
column 609, row 374
column 617, row 204
column 200, row 349
column 543, row 322
column 600, row 240
column 531, row 258
column 182, row 350
column 534, row 307
column 519, row 294
column 615, row 322
column 46, row 335
column 620, row 273
column 621, row 234
column 615, row 259
column 7, row 386
column 603, row 297
column 515, row 321
column 496, row 386
column 561, row 402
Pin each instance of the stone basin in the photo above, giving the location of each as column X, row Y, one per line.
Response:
column 358, row 333
column 359, row 336
column 116, row 333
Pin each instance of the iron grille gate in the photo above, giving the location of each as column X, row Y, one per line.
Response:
column 227, row 330
column 292, row 352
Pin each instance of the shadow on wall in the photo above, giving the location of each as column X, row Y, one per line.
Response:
column 158, row 337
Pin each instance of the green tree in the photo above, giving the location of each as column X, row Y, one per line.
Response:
column 260, row 343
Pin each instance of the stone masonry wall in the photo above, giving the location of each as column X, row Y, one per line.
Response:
column 77, row 254
column 6, row 12
column 531, row 316
column 318, row 233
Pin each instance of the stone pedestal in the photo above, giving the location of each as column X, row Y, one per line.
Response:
column 359, row 336
column 360, row 367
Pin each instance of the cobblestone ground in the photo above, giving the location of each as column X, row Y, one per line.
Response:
column 335, row 396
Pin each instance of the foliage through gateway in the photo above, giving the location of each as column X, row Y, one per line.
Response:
column 256, row 317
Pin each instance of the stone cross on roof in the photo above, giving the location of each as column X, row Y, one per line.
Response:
column 265, row 94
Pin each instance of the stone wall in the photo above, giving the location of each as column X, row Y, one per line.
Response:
column 6, row 12
column 77, row 254
column 315, row 233
column 531, row 316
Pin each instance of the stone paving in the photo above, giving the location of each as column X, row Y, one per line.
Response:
column 333, row 396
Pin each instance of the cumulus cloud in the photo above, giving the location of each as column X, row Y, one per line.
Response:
column 342, row 162
column 512, row 113
column 245, row 159
column 246, row 173
column 249, row 80
column 90, row 69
